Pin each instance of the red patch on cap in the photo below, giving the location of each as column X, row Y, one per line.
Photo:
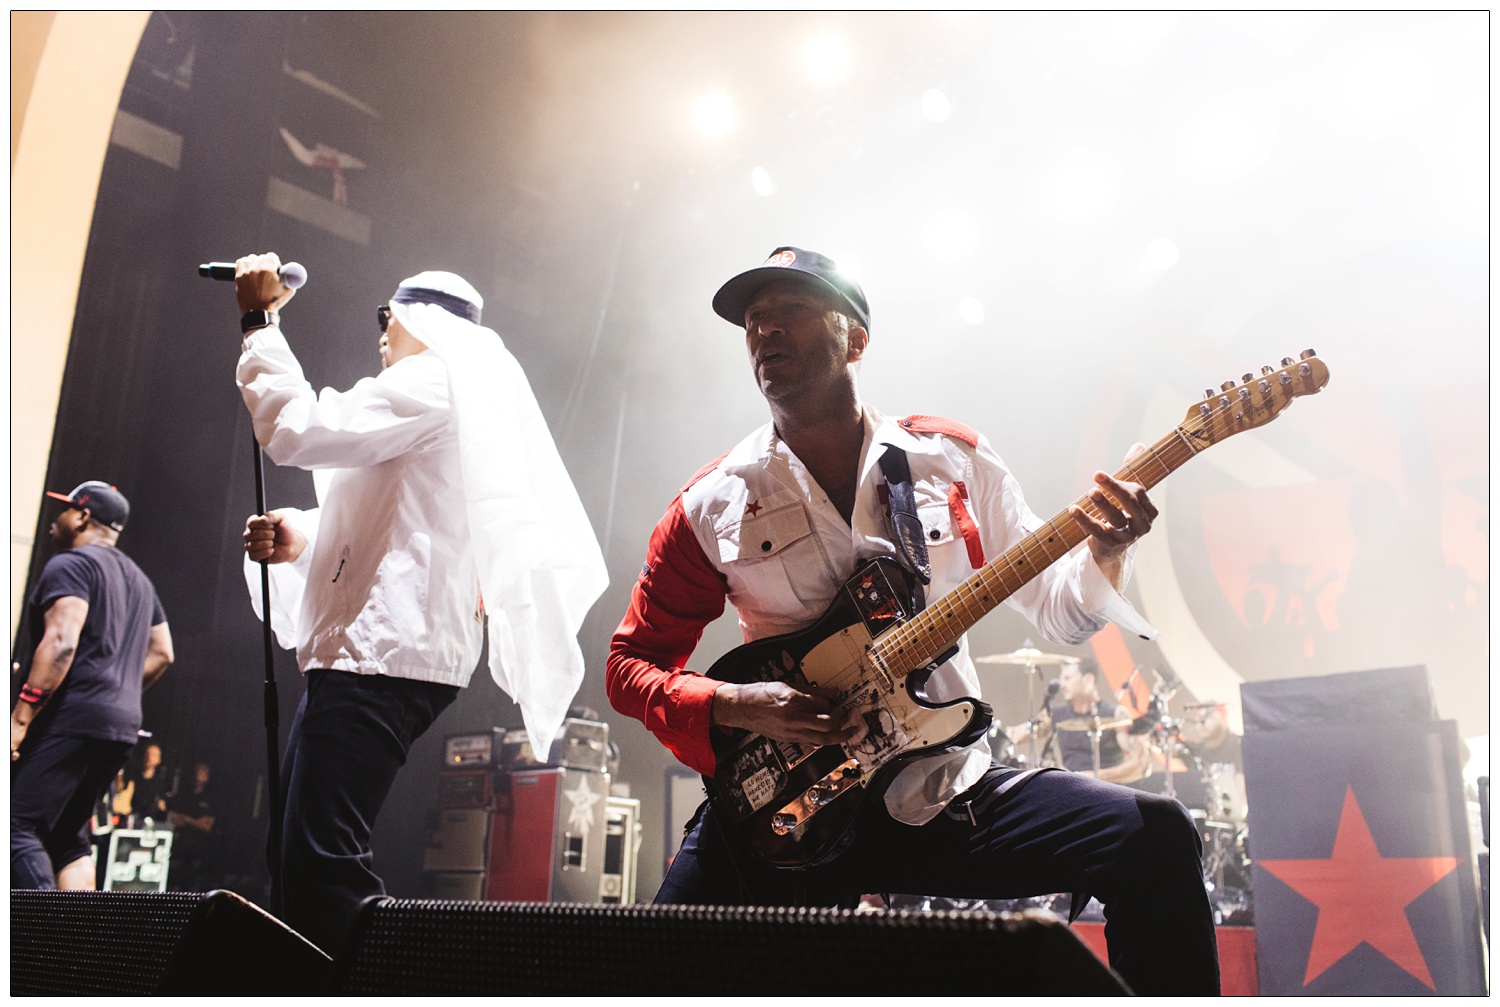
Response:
column 783, row 258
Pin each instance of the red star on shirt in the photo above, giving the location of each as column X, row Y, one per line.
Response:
column 752, row 508
column 1362, row 896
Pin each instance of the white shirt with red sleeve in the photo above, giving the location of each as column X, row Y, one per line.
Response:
column 755, row 528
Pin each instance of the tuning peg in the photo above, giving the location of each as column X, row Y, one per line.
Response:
column 1246, row 378
column 1287, row 361
column 1266, row 369
column 1208, row 393
column 1226, row 386
column 1309, row 353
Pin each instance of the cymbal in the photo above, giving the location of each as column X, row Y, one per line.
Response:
column 1092, row 724
column 1025, row 656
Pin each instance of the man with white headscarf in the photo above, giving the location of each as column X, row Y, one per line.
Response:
column 442, row 502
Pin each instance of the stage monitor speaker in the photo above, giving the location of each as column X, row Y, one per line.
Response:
column 162, row 943
column 408, row 947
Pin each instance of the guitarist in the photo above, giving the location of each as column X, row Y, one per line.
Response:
column 776, row 526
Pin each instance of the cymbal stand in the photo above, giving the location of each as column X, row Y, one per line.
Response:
column 1168, row 735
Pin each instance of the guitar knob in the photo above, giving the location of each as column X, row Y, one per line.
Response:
column 1287, row 361
column 1304, row 370
column 1245, row 393
column 1208, row 393
column 1246, row 378
column 1309, row 353
column 1226, row 386
column 1265, row 386
column 1267, row 369
column 1286, row 378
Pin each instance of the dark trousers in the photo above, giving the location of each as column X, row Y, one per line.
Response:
column 54, row 787
column 1138, row 854
column 347, row 742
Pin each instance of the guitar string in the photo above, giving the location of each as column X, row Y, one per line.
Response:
column 1168, row 454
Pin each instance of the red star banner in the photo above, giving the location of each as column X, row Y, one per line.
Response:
column 1363, row 879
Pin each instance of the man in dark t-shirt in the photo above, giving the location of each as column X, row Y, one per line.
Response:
column 103, row 637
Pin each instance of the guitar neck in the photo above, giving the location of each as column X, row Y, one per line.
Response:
column 916, row 642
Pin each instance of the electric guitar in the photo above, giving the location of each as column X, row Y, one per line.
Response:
column 794, row 805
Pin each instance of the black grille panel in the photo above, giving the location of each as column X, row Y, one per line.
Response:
column 423, row 947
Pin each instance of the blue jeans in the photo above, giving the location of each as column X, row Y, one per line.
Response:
column 347, row 742
column 54, row 787
column 1139, row 854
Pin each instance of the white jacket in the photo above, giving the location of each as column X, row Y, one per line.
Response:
column 397, row 592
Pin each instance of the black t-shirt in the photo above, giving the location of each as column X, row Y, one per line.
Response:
column 148, row 791
column 1077, row 749
column 101, row 695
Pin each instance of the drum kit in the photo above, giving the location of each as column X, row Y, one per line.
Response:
column 1178, row 768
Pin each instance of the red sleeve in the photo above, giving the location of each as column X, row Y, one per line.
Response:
column 679, row 593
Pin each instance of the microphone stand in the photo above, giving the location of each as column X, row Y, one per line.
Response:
column 272, row 707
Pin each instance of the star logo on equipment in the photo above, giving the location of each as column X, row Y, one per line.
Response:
column 581, row 802
column 1362, row 896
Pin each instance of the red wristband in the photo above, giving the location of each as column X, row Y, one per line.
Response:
column 34, row 696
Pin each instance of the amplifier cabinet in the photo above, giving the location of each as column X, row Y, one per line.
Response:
column 456, row 839
column 547, row 836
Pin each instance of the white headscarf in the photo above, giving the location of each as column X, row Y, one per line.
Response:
column 540, row 568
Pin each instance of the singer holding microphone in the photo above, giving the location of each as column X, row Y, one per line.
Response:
column 445, row 507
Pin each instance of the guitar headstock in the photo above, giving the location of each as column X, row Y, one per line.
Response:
column 1255, row 401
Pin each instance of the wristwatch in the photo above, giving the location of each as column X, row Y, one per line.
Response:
column 252, row 320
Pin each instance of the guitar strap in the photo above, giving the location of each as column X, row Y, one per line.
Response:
column 909, row 536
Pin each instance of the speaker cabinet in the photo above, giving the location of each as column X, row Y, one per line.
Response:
column 169, row 943
column 406, row 947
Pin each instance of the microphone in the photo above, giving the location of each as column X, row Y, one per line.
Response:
column 1053, row 687
column 293, row 274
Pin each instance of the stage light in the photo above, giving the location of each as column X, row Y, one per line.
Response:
column 936, row 106
column 971, row 311
column 714, row 114
column 827, row 58
column 761, row 181
column 1160, row 255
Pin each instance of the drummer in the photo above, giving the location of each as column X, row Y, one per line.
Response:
column 1079, row 716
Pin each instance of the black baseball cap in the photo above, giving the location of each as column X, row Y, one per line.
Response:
column 785, row 263
column 106, row 504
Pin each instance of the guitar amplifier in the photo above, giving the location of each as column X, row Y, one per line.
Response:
column 622, row 845
column 456, row 840
column 469, row 789
column 468, row 751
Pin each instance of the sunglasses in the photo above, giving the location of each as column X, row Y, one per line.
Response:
column 383, row 316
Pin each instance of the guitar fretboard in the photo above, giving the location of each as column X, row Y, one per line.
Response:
column 914, row 643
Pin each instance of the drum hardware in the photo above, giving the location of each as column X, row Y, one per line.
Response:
column 1032, row 660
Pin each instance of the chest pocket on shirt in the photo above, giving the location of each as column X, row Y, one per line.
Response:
column 763, row 552
column 937, row 523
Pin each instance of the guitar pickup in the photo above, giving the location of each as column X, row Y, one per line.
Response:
column 816, row 797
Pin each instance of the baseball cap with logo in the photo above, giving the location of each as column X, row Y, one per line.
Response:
column 787, row 262
column 107, row 504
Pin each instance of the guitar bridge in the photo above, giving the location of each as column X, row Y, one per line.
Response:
column 818, row 796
